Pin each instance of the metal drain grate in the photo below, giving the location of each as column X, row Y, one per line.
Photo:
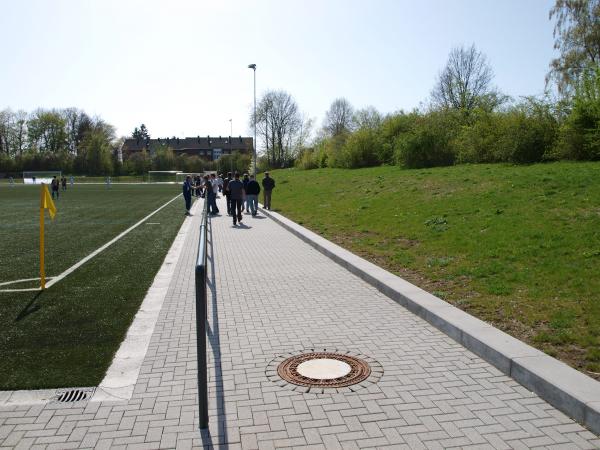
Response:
column 74, row 395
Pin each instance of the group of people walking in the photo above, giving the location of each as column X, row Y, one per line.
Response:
column 240, row 195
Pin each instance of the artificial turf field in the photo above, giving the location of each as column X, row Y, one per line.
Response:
column 68, row 334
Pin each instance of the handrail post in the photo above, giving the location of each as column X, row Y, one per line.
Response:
column 201, row 317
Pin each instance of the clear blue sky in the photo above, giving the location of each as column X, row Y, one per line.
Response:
column 180, row 67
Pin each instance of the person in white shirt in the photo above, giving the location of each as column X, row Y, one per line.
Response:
column 215, row 184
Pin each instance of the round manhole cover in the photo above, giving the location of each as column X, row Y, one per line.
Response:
column 324, row 369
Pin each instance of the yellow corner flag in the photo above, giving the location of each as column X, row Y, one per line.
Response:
column 45, row 203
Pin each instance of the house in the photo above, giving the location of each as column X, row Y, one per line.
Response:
column 209, row 148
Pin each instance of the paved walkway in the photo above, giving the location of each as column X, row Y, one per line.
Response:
column 272, row 294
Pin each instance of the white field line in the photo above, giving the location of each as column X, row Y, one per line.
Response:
column 21, row 290
column 76, row 266
column 5, row 283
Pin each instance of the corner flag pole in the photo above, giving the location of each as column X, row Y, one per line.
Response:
column 45, row 203
column 42, row 269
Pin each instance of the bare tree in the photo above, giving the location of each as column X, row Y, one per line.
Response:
column 577, row 38
column 19, row 132
column 367, row 117
column 338, row 119
column 5, row 125
column 279, row 121
column 465, row 82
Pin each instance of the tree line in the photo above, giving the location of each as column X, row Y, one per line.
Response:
column 50, row 139
column 73, row 142
column 466, row 118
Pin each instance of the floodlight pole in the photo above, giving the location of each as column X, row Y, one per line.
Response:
column 253, row 67
column 231, row 144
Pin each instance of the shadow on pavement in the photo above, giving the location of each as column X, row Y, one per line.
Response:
column 212, row 329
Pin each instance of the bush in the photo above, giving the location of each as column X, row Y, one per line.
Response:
column 361, row 149
column 525, row 133
column 307, row 159
column 481, row 140
column 393, row 126
column 428, row 143
column 527, row 138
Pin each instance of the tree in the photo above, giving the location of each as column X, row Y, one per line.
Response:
column 5, row 119
column 47, row 131
column 338, row 119
column 141, row 133
column 164, row 159
column 278, row 119
column 19, row 132
column 580, row 133
column 465, row 82
column 577, row 37
column 367, row 117
column 78, row 123
column 96, row 152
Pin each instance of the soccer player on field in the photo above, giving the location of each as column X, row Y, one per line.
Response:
column 54, row 185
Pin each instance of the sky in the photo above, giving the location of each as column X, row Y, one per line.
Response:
column 181, row 66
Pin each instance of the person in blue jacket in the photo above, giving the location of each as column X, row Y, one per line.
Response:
column 187, row 194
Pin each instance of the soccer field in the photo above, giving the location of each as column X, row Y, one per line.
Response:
column 67, row 335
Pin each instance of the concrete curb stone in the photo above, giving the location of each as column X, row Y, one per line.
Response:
column 565, row 388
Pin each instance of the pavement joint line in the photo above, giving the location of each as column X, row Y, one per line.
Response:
column 565, row 388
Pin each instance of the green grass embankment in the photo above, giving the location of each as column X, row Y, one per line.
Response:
column 517, row 246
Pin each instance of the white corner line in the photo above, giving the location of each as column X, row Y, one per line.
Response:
column 77, row 265
column 120, row 378
column 6, row 283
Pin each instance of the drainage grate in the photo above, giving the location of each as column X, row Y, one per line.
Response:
column 74, row 395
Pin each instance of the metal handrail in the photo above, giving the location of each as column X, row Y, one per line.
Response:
column 201, row 317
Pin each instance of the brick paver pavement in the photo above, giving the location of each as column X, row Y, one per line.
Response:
column 272, row 294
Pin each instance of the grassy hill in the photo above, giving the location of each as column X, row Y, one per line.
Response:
column 517, row 246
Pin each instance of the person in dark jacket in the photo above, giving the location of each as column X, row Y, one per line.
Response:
column 54, row 185
column 252, row 191
column 187, row 194
column 268, row 185
column 236, row 189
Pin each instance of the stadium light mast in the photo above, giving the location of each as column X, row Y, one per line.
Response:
column 231, row 145
column 253, row 67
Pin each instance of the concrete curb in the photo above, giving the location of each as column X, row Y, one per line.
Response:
column 565, row 388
